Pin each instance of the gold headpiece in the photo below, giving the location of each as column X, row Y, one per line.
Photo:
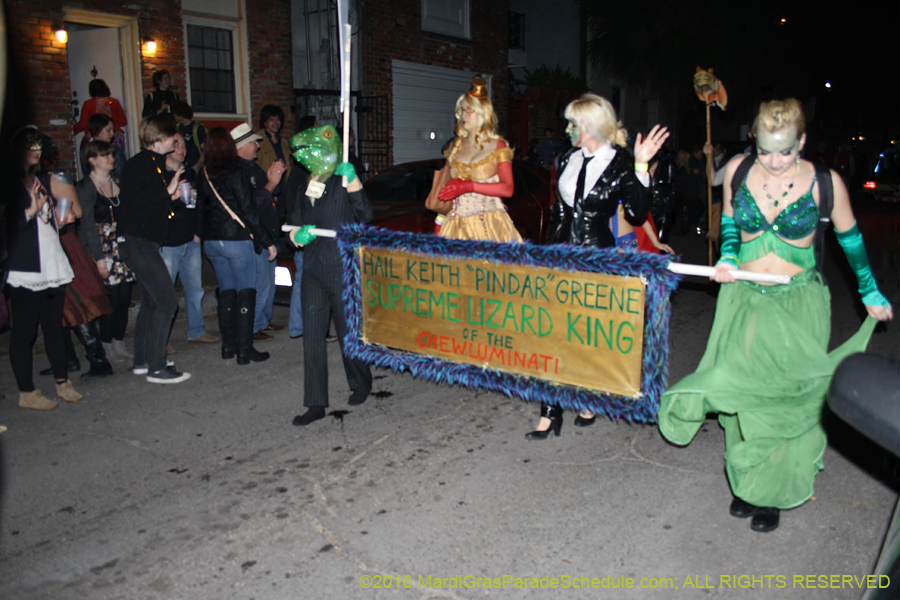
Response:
column 479, row 88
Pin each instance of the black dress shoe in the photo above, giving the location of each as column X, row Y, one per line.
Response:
column 555, row 415
column 765, row 519
column 357, row 398
column 583, row 422
column 741, row 509
column 312, row 414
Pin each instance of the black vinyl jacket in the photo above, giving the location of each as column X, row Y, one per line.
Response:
column 587, row 222
column 234, row 187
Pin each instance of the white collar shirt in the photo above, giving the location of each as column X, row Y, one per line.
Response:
column 602, row 157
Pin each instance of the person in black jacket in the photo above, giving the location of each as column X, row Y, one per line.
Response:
column 161, row 100
column 181, row 250
column 231, row 232
column 266, row 184
column 320, row 200
column 143, row 225
column 596, row 175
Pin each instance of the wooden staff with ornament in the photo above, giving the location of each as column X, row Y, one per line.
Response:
column 709, row 89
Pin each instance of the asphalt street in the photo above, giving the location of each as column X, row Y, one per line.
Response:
column 204, row 490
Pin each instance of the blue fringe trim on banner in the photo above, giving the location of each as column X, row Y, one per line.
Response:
column 654, row 369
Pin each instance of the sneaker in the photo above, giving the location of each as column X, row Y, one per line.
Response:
column 143, row 369
column 36, row 401
column 68, row 393
column 206, row 338
column 168, row 375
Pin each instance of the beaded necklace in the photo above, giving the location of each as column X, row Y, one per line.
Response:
column 786, row 186
column 113, row 199
column 165, row 185
column 44, row 213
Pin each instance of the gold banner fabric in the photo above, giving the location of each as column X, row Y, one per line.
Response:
column 580, row 329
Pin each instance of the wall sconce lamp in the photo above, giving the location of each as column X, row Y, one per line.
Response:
column 62, row 36
column 150, row 46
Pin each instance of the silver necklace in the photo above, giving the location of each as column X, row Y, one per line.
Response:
column 112, row 198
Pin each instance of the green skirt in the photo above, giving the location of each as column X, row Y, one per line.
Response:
column 765, row 371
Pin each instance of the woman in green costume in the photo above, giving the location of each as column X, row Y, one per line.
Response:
column 766, row 367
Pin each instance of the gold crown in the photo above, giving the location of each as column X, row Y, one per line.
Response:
column 479, row 88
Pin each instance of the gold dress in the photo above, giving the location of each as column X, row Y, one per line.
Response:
column 475, row 216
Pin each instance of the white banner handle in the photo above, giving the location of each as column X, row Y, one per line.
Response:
column 329, row 233
column 705, row 271
column 680, row 268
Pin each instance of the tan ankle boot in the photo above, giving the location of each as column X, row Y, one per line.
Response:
column 36, row 401
column 67, row 392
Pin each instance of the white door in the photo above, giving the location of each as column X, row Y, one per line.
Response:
column 424, row 103
column 90, row 50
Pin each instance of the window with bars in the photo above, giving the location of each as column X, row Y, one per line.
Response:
column 211, row 69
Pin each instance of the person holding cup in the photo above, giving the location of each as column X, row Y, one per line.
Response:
column 181, row 250
column 38, row 272
column 147, row 206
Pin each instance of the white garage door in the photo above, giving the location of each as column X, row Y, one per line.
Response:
column 424, row 101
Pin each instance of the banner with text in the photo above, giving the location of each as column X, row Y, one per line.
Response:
column 583, row 329
column 554, row 324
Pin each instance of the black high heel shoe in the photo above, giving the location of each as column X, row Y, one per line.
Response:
column 555, row 414
column 584, row 421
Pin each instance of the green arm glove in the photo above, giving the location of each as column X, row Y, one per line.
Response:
column 303, row 237
column 346, row 170
column 730, row 241
column 852, row 243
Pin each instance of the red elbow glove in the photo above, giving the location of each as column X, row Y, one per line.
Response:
column 456, row 188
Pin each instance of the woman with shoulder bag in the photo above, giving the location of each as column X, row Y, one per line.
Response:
column 231, row 232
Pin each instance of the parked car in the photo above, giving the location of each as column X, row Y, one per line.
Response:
column 884, row 184
column 398, row 193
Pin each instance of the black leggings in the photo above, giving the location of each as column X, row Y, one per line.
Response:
column 27, row 309
column 112, row 326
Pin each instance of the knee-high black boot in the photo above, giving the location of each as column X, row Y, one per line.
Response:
column 246, row 309
column 89, row 337
column 227, row 322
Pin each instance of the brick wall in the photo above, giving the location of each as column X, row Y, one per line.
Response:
column 392, row 29
column 39, row 66
column 271, row 65
column 39, row 76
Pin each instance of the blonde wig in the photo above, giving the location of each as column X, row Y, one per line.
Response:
column 598, row 117
column 780, row 114
column 479, row 102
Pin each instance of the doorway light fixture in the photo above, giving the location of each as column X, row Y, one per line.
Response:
column 62, row 36
column 150, row 46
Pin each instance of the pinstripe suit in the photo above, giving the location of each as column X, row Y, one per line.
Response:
column 322, row 282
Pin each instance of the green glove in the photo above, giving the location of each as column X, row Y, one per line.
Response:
column 730, row 240
column 346, row 170
column 852, row 243
column 303, row 236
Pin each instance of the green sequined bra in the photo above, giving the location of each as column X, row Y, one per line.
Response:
column 793, row 223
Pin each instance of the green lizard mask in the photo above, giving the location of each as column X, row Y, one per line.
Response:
column 318, row 149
